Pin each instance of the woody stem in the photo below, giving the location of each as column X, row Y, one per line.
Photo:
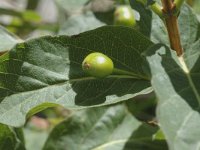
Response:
column 172, row 26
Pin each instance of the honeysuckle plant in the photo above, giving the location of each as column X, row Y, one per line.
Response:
column 100, row 73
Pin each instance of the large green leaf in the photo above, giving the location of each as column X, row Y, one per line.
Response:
column 9, row 139
column 176, row 83
column 105, row 128
column 8, row 40
column 47, row 71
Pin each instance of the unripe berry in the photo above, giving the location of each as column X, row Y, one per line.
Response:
column 124, row 15
column 97, row 65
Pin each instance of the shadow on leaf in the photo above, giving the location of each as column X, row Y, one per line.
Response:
column 92, row 91
column 142, row 138
column 178, row 78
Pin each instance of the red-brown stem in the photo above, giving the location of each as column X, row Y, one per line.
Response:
column 172, row 26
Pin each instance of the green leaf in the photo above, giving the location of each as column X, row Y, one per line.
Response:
column 159, row 135
column 143, row 107
column 105, row 17
column 105, row 128
column 31, row 16
column 122, row 2
column 11, row 12
column 145, row 17
column 47, row 71
column 8, row 40
column 80, row 23
column 196, row 8
column 188, row 26
column 9, row 139
column 19, row 134
column 176, row 83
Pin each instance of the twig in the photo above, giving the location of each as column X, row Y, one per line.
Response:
column 171, row 23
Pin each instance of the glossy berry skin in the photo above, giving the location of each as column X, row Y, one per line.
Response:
column 97, row 65
column 124, row 15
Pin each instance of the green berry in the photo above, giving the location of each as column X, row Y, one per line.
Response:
column 124, row 15
column 97, row 65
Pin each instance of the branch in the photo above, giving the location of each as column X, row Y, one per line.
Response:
column 172, row 26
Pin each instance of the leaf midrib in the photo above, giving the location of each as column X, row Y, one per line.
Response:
column 188, row 75
column 74, row 80
column 79, row 80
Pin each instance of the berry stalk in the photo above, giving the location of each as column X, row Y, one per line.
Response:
column 124, row 72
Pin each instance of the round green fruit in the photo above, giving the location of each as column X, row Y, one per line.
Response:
column 124, row 15
column 97, row 65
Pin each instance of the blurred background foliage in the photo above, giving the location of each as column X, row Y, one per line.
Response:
column 25, row 19
column 33, row 18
